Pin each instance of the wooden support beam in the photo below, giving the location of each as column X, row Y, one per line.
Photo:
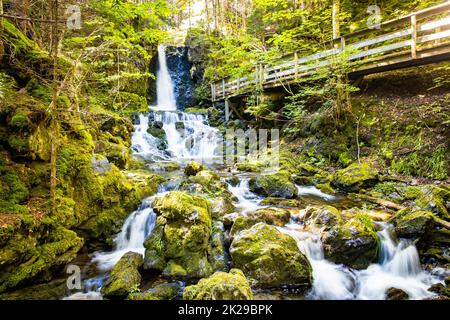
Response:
column 414, row 36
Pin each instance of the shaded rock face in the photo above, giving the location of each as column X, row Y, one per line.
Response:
column 220, row 286
column 270, row 259
column 124, row 277
column 180, row 72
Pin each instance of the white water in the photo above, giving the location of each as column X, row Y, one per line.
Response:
column 313, row 191
column 164, row 85
column 131, row 238
column 247, row 201
column 143, row 143
column 398, row 267
column 196, row 141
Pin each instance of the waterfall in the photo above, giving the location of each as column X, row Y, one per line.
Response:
column 188, row 135
column 398, row 267
column 134, row 231
column 164, row 87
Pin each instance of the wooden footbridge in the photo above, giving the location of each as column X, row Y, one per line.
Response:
column 419, row 38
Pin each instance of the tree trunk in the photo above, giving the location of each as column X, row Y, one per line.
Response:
column 336, row 14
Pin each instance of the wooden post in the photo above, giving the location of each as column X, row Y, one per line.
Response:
column 414, row 36
column 238, row 85
column 261, row 76
column 296, row 65
column 227, row 110
column 223, row 88
column 342, row 44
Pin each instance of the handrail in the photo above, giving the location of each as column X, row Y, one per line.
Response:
column 267, row 74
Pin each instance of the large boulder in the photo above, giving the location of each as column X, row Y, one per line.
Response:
column 413, row 224
column 277, row 185
column 220, row 286
column 180, row 243
column 352, row 242
column 355, row 177
column 124, row 277
column 269, row 258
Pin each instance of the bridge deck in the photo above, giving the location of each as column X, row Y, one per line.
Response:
column 421, row 37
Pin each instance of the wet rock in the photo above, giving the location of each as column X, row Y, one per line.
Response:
column 396, row 294
column 413, row 224
column 193, row 168
column 124, row 277
column 180, row 126
column 269, row 258
column 349, row 240
column 229, row 219
column 277, row 185
column 222, row 206
column 180, row 243
column 280, row 202
column 168, row 166
column 165, row 291
column 441, row 289
column 243, row 223
column 355, row 177
column 353, row 242
column 274, row 216
column 220, row 286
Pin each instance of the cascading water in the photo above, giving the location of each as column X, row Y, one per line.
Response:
column 165, row 95
column 398, row 267
column 188, row 135
column 135, row 230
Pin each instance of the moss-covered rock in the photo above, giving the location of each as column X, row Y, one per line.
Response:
column 124, row 277
column 353, row 242
column 413, row 224
column 269, row 258
column 220, row 286
column 396, row 294
column 165, row 291
column 181, row 240
column 193, row 168
column 24, row 259
column 275, row 216
column 243, row 223
column 355, row 177
column 278, row 185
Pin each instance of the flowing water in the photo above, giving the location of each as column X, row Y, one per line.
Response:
column 190, row 137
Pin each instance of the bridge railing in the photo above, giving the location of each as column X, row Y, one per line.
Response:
column 418, row 35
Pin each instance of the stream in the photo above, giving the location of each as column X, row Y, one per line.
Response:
column 398, row 264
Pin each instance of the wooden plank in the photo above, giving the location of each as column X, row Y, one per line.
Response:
column 413, row 36
column 381, row 49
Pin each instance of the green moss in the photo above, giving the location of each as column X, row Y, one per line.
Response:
column 270, row 258
column 124, row 277
column 345, row 159
column 220, row 286
column 61, row 248
column 277, row 185
column 355, row 177
column 184, row 226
